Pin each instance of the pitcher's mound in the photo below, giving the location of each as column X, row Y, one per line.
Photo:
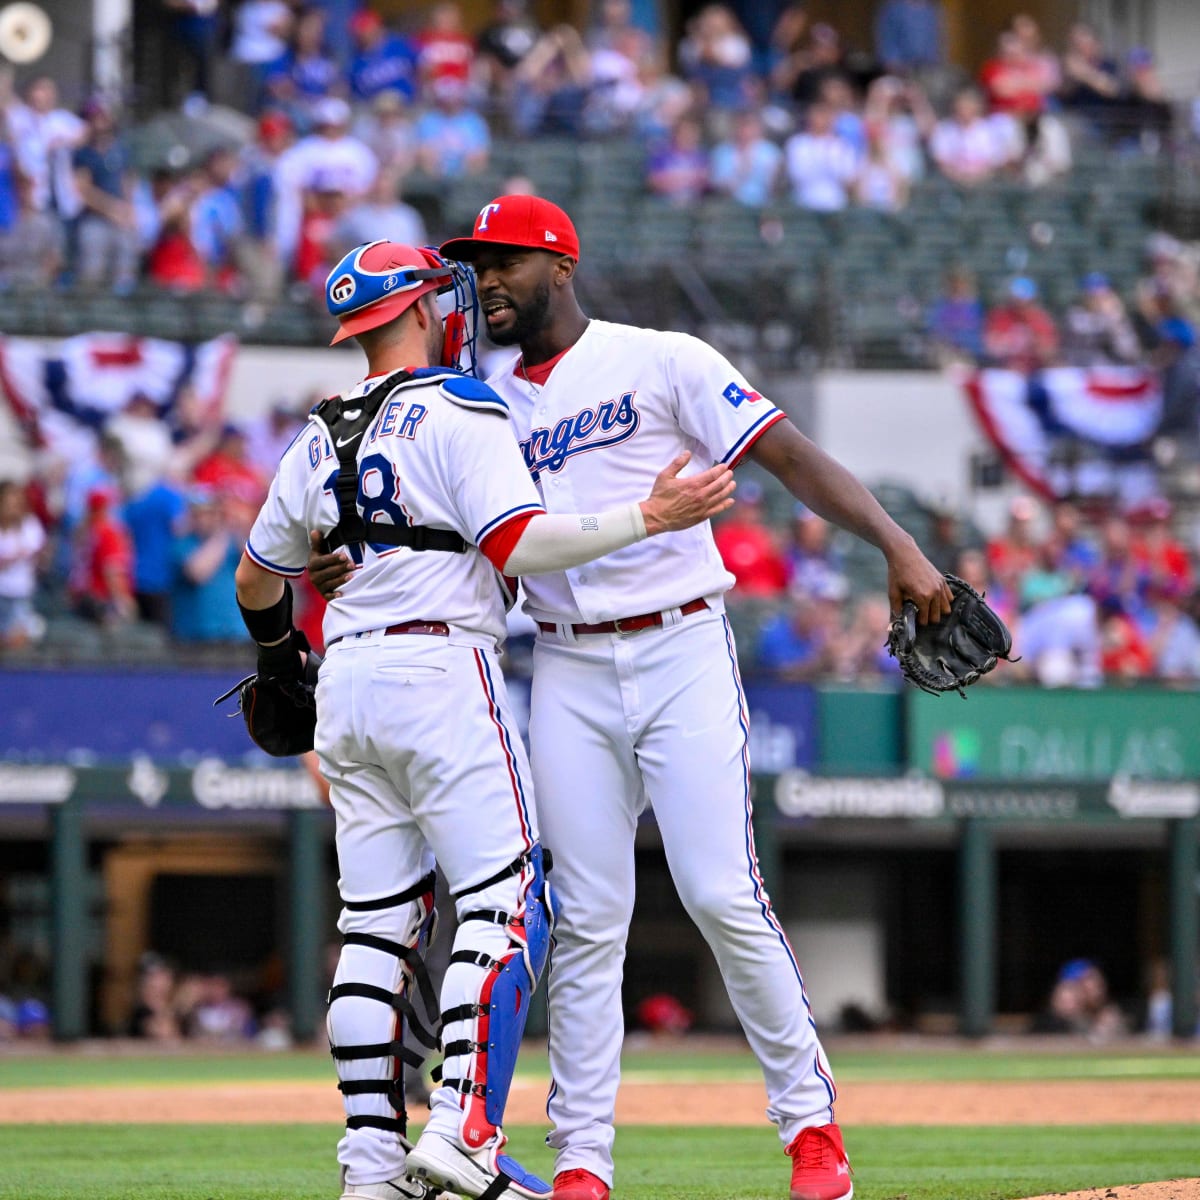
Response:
column 1173, row 1189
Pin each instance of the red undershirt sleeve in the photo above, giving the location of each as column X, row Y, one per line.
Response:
column 499, row 543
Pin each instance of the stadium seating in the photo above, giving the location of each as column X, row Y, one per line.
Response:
column 852, row 285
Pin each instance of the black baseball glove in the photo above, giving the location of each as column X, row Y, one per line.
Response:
column 950, row 654
column 278, row 702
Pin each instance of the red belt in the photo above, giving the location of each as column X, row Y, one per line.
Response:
column 435, row 628
column 628, row 624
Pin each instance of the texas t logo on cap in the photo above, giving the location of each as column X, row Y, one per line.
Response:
column 528, row 222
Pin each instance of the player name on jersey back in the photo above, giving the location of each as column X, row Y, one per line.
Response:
column 438, row 454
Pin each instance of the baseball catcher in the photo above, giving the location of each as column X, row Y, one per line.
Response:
column 278, row 702
column 954, row 652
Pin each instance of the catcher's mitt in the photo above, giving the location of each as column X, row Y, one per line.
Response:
column 280, row 711
column 950, row 654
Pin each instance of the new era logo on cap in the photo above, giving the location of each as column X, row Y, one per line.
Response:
column 527, row 221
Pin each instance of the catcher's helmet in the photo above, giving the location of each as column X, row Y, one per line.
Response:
column 376, row 282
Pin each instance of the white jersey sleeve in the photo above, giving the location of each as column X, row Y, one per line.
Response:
column 715, row 404
column 273, row 542
column 483, row 468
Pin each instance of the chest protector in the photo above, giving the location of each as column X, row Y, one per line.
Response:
column 346, row 422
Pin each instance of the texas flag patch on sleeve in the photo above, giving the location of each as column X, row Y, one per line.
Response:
column 736, row 394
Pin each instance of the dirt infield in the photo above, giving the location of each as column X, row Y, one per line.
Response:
column 1173, row 1189
column 1052, row 1102
column 1048, row 1102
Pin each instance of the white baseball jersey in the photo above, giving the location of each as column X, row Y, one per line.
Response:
column 439, row 453
column 615, row 723
column 617, row 407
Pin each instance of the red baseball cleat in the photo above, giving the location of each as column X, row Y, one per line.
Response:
column 820, row 1169
column 578, row 1184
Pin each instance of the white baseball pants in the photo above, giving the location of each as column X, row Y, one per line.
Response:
column 618, row 721
column 423, row 758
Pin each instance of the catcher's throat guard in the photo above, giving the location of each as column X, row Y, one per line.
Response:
column 955, row 652
column 458, row 306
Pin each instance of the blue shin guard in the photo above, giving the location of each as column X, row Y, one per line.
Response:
column 500, row 1014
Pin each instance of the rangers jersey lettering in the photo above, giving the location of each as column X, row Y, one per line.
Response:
column 439, row 453
column 617, row 407
column 609, row 424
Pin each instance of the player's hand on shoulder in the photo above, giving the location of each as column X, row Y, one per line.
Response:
column 327, row 571
column 911, row 576
column 676, row 503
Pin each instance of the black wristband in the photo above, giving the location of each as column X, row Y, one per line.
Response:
column 282, row 661
column 266, row 625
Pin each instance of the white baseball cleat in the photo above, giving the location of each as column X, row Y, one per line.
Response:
column 393, row 1189
column 437, row 1160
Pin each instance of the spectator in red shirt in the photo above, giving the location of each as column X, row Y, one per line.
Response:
column 1020, row 334
column 1016, row 81
column 172, row 260
column 228, row 472
column 101, row 583
column 749, row 549
column 1124, row 652
column 446, row 51
column 1166, row 560
column 325, row 204
column 1016, row 550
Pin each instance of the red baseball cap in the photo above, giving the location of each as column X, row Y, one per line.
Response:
column 366, row 20
column 527, row 221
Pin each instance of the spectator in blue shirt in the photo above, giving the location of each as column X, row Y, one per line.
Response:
column 151, row 519
column 798, row 645
column 746, row 166
column 107, row 229
column 452, row 139
column 716, row 55
column 382, row 62
column 218, row 226
column 257, row 171
column 204, row 558
column 956, row 321
column 908, row 35
column 306, row 73
column 9, row 205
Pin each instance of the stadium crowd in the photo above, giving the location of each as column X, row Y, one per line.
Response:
column 1103, row 597
column 341, row 113
column 344, row 112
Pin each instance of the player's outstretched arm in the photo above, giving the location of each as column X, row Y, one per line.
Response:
column 832, row 492
column 557, row 541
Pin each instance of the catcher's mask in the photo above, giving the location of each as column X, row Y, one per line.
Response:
column 378, row 281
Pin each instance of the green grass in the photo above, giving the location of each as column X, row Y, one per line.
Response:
column 88, row 1068
column 272, row 1162
column 280, row 1162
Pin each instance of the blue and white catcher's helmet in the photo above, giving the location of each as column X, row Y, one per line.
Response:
column 378, row 281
